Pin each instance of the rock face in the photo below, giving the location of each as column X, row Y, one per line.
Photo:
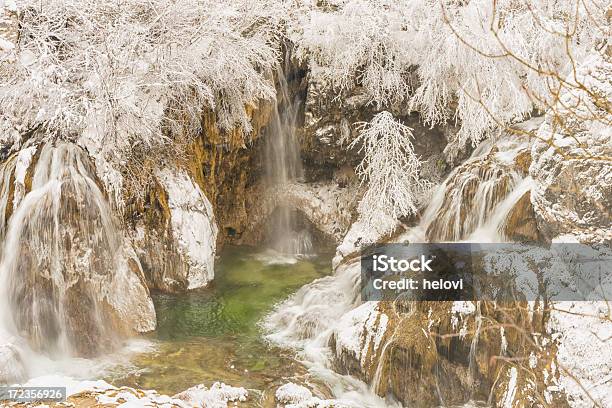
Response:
column 432, row 353
column 330, row 125
column 196, row 204
column 571, row 163
column 177, row 235
column 227, row 166
column 70, row 281
column 521, row 224
column 327, row 209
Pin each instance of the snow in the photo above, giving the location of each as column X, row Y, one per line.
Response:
column 9, row 5
column 504, row 341
column 326, row 205
column 217, row 396
column 459, row 310
column 391, row 170
column 6, row 45
column 148, row 90
column 291, row 393
column 359, row 329
column 24, row 158
column 508, row 398
column 193, row 225
column 584, row 331
column 463, row 307
column 73, row 386
column 574, row 156
column 361, row 235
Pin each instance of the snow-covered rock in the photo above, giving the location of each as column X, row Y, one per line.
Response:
column 360, row 235
column 573, row 192
column 217, row 396
column 583, row 331
column 327, row 206
column 99, row 392
column 193, row 226
column 360, row 332
column 176, row 238
column 291, row 393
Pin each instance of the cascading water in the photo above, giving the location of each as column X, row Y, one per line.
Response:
column 475, row 199
column 472, row 203
column 283, row 168
column 69, row 285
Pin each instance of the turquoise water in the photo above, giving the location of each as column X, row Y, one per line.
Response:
column 213, row 334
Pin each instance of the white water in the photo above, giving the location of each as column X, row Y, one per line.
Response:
column 306, row 321
column 284, row 167
column 382, row 360
column 474, row 201
column 66, row 289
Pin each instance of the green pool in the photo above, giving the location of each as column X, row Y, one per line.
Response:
column 213, row 334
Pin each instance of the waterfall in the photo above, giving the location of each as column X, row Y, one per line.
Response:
column 475, row 199
column 283, row 168
column 69, row 285
column 375, row 384
column 471, row 204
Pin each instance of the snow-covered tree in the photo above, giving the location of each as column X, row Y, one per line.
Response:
column 499, row 61
column 359, row 42
column 485, row 64
column 391, row 170
column 127, row 76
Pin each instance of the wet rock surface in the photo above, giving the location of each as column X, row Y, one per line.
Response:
column 433, row 353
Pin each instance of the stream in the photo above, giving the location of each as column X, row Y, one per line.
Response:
column 213, row 334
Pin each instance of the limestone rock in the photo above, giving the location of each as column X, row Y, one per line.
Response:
column 327, row 209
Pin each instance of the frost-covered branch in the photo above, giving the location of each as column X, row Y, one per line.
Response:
column 391, row 170
column 485, row 64
column 359, row 43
